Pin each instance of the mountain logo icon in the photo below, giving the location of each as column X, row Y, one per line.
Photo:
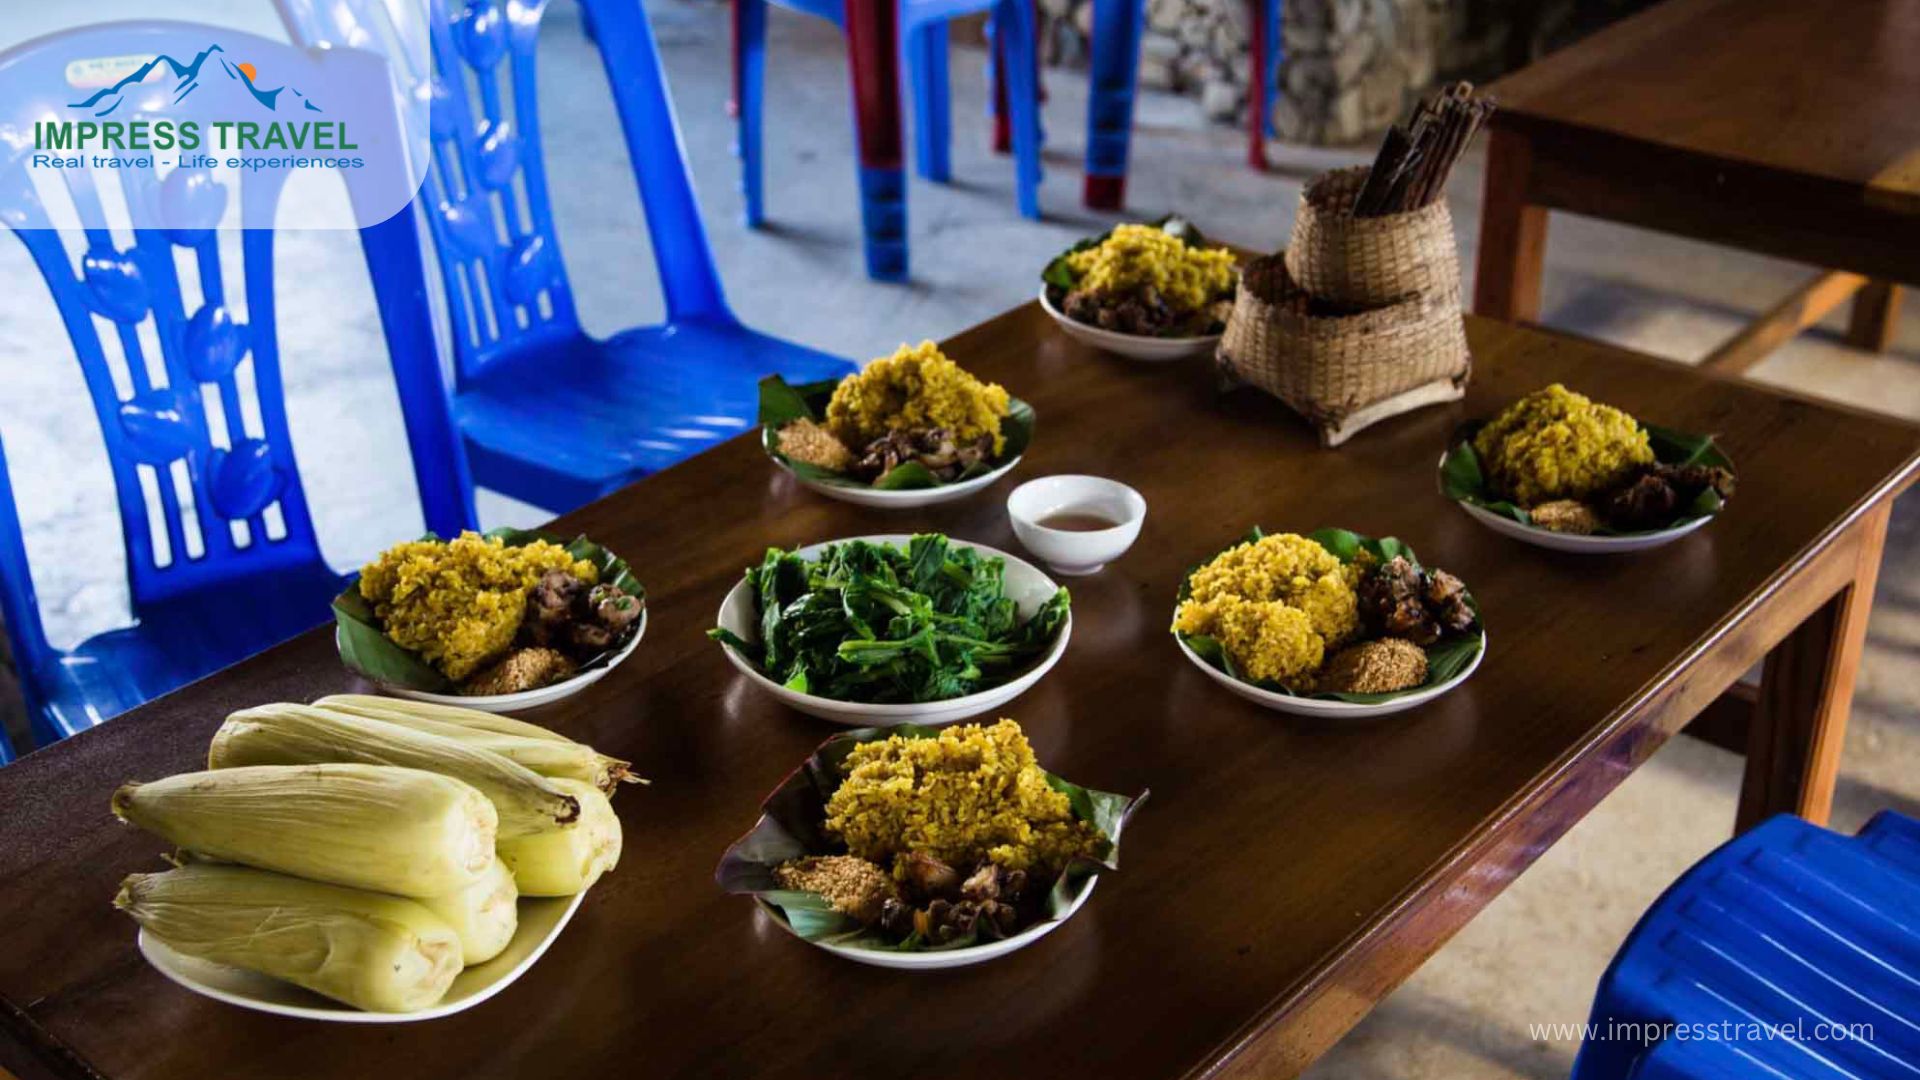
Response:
column 224, row 79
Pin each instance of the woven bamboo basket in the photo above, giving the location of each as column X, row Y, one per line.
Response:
column 1369, row 261
column 1344, row 371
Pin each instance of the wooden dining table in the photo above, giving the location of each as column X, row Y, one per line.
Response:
column 1776, row 126
column 1283, row 877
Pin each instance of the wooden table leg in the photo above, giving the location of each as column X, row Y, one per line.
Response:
column 1806, row 690
column 1805, row 307
column 1513, row 234
column 1876, row 315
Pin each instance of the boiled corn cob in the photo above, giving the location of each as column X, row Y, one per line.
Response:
column 372, row 951
column 561, row 862
column 548, row 756
column 288, row 734
column 446, row 714
column 484, row 914
column 401, row 831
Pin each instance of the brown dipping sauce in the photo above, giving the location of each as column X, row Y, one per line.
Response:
column 1076, row 521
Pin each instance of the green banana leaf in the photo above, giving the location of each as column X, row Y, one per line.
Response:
column 792, row 824
column 782, row 403
column 1463, row 480
column 371, row 654
column 1446, row 658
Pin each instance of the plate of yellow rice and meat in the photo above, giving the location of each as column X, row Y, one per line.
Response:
column 1331, row 624
column 1559, row 470
column 910, row 429
column 909, row 847
column 502, row 620
column 1148, row 292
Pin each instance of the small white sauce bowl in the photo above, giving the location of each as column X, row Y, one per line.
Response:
column 1075, row 552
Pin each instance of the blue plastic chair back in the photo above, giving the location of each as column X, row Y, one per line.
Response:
column 230, row 505
column 486, row 198
column 1791, row 951
column 19, row 607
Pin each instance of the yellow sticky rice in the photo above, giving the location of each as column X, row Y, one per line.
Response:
column 971, row 794
column 1135, row 255
column 457, row 603
column 1556, row 444
column 915, row 389
column 1277, row 606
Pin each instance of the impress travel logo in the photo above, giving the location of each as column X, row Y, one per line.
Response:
column 181, row 124
column 230, row 87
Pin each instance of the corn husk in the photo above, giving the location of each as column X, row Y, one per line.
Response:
column 400, row 831
column 288, row 734
column 548, row 754
column 484, row 914
column 369, row 950
column 446, row 714
column 562, row 862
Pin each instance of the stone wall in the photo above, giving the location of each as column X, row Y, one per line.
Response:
column 1348, row 68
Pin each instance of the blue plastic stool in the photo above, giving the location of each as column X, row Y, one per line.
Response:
column 550, row 415
column 921, row 27
column 1113, row 80
column 1787, row 926
column 230, row 564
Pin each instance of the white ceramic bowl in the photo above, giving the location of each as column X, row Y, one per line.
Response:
column 1024, row 583
column 1580, row 545
column 1326, row 707
column 1069, row 551
column 900, row 500
column 525, row 699
column 1584, row 545
column 1153, row 350
column 948, row 958
column 541, row 920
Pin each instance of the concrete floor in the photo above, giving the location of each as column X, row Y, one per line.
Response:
column 1534, row 956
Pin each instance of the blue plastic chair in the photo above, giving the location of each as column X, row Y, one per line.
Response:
column 1787, row 926
column 550, row 415
column 229, row 565
column 922, row 29
column 1113, row 80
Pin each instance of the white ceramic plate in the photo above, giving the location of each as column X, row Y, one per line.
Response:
column 541, row 920
column 949, row 958
column 525, row 699
column 1153, row 350
column 1325, row 707
column 900, row 500
column 1584, row 545
column 1025, row 584
column 1581, row 545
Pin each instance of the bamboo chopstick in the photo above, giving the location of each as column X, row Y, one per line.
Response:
column 1415, row 158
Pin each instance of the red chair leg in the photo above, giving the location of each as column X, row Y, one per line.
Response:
column 873, row 56
column 1002, row 123
column 733, row 86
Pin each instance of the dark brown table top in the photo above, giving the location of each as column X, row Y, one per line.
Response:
column 1820, row 89
column 1260, row 874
